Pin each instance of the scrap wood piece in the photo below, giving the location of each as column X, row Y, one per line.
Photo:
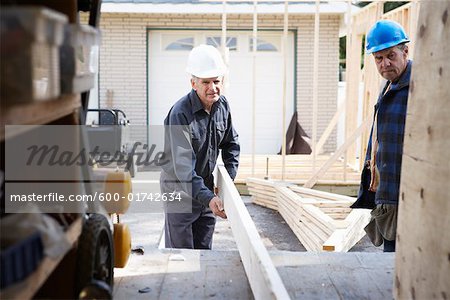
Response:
column 262, row 275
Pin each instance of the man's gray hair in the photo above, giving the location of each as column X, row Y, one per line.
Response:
column 402, row 46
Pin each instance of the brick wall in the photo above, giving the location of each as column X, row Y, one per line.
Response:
column 123, row 59
column 328, row 74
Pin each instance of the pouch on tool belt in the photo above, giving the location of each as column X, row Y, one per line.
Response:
column 366, row 198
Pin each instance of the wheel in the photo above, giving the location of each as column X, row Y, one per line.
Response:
column 96, row 290
column 95, row 255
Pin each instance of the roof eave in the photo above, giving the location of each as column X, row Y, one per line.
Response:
column 206, row 8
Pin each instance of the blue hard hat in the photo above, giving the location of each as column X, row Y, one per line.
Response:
column 385, row 34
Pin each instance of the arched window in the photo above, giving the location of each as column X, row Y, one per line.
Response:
column 216, row 42
column 262, row 45
column 184, row 44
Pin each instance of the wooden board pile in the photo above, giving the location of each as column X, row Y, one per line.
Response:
column 321, row 221
column 263, row 192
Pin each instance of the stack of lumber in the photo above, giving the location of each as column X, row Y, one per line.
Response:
column 321, row 221
column 298, row 169
column 334, row 205
column 263, row 192
column 347, row 224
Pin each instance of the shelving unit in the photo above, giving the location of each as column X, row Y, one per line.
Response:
column 72, row 271
column 27, row 288
column 37, row 113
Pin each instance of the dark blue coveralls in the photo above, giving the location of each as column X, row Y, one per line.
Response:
column 193, row 139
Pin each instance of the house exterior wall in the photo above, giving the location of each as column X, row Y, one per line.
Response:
column 123, row 60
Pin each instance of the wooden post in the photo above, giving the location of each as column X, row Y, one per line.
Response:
column 315, row 82
column 285, row 54
column 223, row 43
column 422, row 266
column 348, row 46
column 255, row 45
column 372, row 79
column 223, row 40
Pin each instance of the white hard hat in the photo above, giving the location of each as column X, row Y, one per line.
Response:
column 205, row 61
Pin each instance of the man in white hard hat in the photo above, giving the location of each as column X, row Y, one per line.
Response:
column 197, row 127
column 387, row 41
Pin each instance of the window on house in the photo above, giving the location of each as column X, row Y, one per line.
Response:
column 264, row 45
column 183, row 44
column 216, row 42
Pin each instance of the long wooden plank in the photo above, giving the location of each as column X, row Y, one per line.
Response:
column 269, row 194
column 264, row 202
column 321, row 194
column 321, row 220
column 261, row 273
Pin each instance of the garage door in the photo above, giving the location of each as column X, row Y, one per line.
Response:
column 168, row 80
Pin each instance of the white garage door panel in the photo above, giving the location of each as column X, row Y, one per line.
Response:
column 168, row 82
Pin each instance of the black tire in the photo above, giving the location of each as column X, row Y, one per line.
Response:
column 95, row 254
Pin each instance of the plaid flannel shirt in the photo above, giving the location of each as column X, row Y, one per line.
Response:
column 390, row 133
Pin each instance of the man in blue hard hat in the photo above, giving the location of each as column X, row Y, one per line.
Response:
column 387, row 42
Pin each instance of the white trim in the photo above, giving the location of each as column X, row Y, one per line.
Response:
column 205, row 8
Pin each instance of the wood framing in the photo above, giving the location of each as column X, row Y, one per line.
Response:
column 262, row 275
column 298, row 169
column 333, row 122
column 422, row 269
column 365, row 80
column 324, row 168
column 315, row 95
